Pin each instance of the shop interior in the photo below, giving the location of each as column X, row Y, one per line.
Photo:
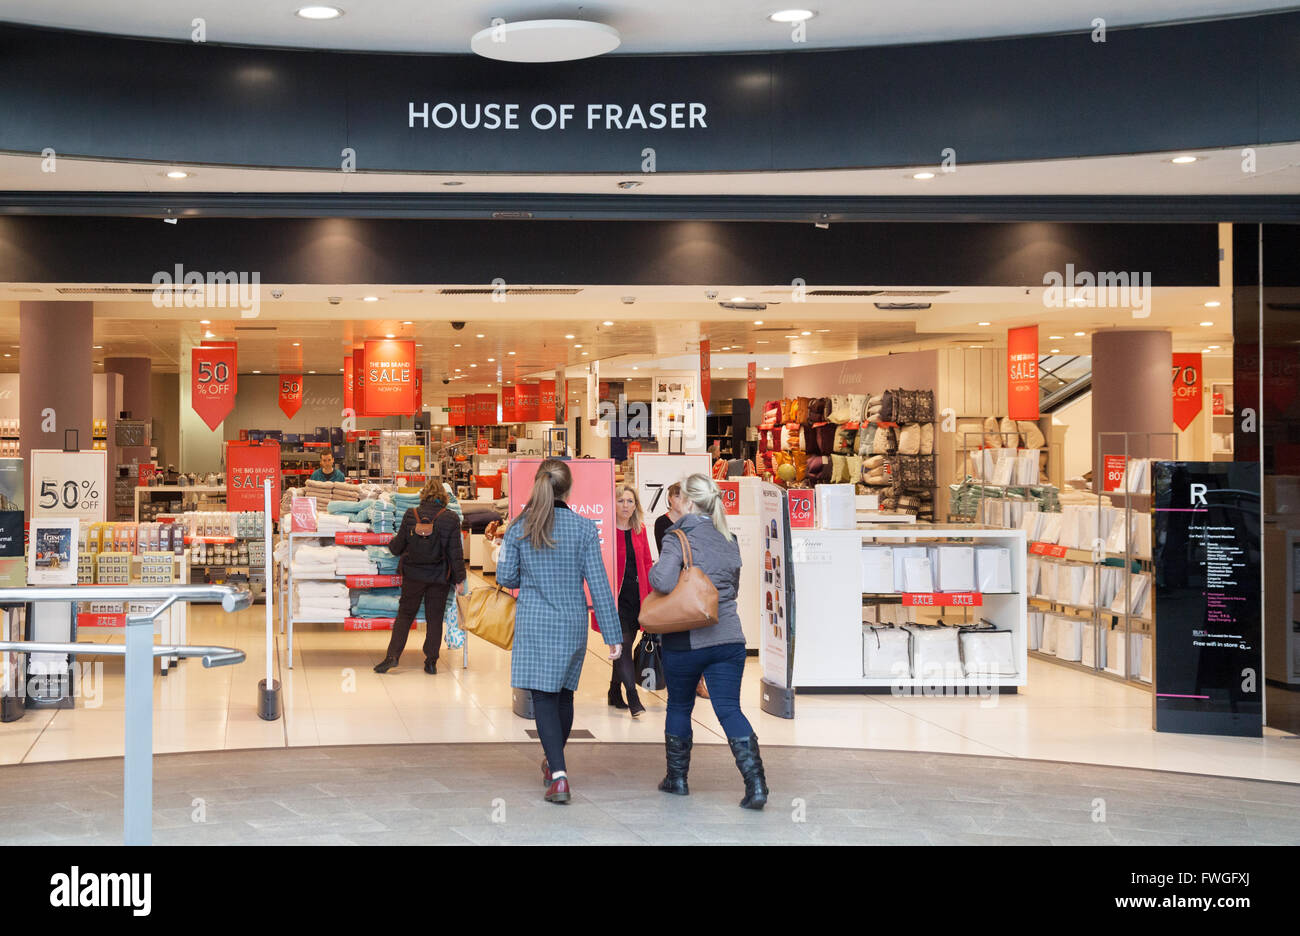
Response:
column 1079, row 683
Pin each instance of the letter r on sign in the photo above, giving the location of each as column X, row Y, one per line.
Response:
column 1198, row 495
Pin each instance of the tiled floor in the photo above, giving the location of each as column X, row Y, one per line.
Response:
column 477, row 793
column 331, row 697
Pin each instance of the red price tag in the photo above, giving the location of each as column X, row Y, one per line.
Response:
column 942, row 599
column 1047, row 549
column 482, row 446
column 362, row 539
column 372, row 581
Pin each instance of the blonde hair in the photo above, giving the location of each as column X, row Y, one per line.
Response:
column 435, row 489
column 638, row 515
column 552, row 482
column 706, row 497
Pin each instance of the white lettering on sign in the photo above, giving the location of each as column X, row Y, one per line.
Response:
column 1198, row 494
column 497, row 115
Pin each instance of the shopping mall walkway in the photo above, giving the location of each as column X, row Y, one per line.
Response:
column 491, row 793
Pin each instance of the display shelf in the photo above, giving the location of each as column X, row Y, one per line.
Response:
column 828, row 605
column 1084, row 668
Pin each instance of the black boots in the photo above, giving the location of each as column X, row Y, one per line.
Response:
column 386, row 665
column 678, row 752
column 616, row 695
column 745, row 750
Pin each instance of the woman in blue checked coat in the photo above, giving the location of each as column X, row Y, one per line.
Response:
column 549, row 553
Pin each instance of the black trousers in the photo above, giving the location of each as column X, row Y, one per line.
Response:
column 624, row 668
column 554, row 714
column 408, row 605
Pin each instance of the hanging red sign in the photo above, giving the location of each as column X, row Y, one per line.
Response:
column 481, row 446
column 290, row 394
column 751, row 385
column 545, row 400
column 1022, row 372
column 359, row 381
column 706, row 382
column 1218, row 404
column 248, row 464
column 528, row 405
column 509, row 404
column 348, row 376
column 389, row 378
column 214, row 382
column 1187, row 389
column 456, row 406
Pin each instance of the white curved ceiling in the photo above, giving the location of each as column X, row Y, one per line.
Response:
column 663, row 26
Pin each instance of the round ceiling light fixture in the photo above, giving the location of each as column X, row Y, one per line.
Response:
column 1184, row 160
column 922, row 176
column 791, row 16
column 318, row 12
column 177, row 174
column 545, row 40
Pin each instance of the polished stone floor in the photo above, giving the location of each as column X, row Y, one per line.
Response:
column 479, row 793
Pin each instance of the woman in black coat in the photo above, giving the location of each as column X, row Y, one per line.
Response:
column 432, row 562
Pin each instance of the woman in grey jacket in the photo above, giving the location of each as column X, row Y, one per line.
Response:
column 716, row 652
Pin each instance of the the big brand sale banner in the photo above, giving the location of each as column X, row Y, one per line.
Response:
column 390, row 378
column 248, row 464
column 527, row 402
column 456, row 406
column 1022, row 372
column 1187, row 388
column 349, row 372
column 290, row 394
column 214, row 380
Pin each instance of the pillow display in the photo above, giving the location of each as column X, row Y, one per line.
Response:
column 992, row 438
column 800, row 460
column 800, row 413
column 1010, row 433
column 839, row 470
column 844, row 439
column 1033, row 436
column 927, row 439
column 924, row 406
column 873, row 461
column 857, row 407
column 875, row 477
column 816, row 410
column 866, row 438
column 853, row 468
column 904, row 406
column 839, row 413
column 884, row 443
column 909, row 440
column 791, row 436
column 888, row 407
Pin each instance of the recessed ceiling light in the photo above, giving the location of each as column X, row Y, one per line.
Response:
column 297, row 344
column 492, row 360
column 1079, row 334
column 762, row 342
column 204, row 322
column 99, row 347
column 390, row 335
column 977, row 346
column 821, row 330
column 1213, row 347
column 1055, row 337
column 456, row 346
column 418, row 345
column 480, row 336
column 791, row 16
column 577, row 346
column 257, row 372
column 983, row 323
column 208, row 334
column 570, row 337
column 340, row 370
column 805, row 333
column 1183, row 160
column 408, row 323
column 1206, row 324
column 318, row 12
column 1076, row 300
column 767, row 368
column 473, row 365
column 458, row 370
column 7, row 354
column 922, row 176
column 1055, row 351
column 758, row 321
column 607, row 323
column 634, row 367
column 178, row 174
column 585, row 353
column 1213, row 304
column 311, row 372
column 370, row 299
column 511, row 353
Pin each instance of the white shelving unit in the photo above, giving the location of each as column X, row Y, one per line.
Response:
column 828, row 601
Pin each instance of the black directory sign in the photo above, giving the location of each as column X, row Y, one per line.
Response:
column 1206, row 549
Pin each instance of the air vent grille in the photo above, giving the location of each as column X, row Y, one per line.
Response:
column 845, row 292
column 899, row 293
column 96, row 290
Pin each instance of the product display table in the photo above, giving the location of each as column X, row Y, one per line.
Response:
column 832, row 601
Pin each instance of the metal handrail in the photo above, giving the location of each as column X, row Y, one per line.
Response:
column 138, row 652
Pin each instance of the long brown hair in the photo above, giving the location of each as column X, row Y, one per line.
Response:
column 553, row 481
column 434, row 490
column 638, row 515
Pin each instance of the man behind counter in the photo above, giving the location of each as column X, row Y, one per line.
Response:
column 327, row 471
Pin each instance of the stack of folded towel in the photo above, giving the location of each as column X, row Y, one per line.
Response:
column 383, row 559
column 379, row 603
column 347, row 507
column 404, row 502
column 323, row 491
column 321, row 601
column 383, row 517
column 328, row 523
column 350, row 561
column 346, row 492
column 313, row 561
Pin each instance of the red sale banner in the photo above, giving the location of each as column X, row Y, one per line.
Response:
column 1219, row 405
column 349, row 372
column 248, row 464
column 592, row 496
column 1022, row 372
column 706, row 381
column 546, row 400
column 486, row 407
column 214, row 382
column 751, row 384
column 481, row 446
column 1113, row 472
column 389, row 378
column 802, row 510
column 1187, row 389
column 146, row 474
column 1048, row 549
column 456, row 405
column 942, row 599
column 290, row 394
column 730, row 497
column 359, row 381
column 528, row 405
column 509, row 404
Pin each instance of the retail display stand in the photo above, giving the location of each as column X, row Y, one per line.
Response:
column 839, row 574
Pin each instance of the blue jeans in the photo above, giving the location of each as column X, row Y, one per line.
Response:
column 722, row 668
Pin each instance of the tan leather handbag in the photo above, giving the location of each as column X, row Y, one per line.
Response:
column 489, row 613
column 692, row 603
